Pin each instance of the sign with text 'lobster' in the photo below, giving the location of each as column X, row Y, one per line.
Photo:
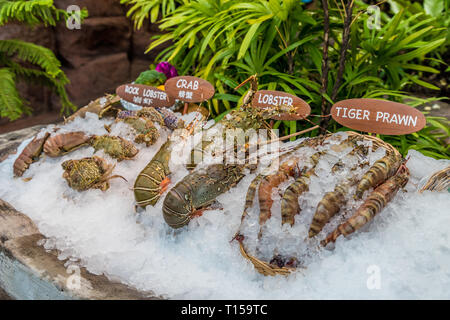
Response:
column 189, row 89
column 268, row 98
column 144, row 95
column 378, row 116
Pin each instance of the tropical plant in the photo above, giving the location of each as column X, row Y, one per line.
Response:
column 28, row 61
column 225, row 41
column 140, row 10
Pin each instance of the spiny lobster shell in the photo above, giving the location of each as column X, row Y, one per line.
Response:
column 115, row 147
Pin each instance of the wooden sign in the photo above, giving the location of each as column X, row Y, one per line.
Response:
column 267, row 98
column 378, row 116
column 144, row 95
column 189, row 89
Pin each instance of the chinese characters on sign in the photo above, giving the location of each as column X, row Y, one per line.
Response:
column 144, row 95
column 189, row 89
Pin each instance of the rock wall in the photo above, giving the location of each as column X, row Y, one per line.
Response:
column 103, row 54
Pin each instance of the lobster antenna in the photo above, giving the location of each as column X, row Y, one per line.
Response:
column 254, row 82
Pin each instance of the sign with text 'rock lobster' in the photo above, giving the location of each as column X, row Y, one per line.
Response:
column 189, row 89
column 268, row 98
column 378, row 116
column 144, row 95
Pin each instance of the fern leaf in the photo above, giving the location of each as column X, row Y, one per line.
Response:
column 34, row 54
column 11, row 105
column 51, row 75
column 31, row 12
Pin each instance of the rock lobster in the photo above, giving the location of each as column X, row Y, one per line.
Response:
column 200, row 188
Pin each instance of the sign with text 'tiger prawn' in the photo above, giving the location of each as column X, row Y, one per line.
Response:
column 378, row 116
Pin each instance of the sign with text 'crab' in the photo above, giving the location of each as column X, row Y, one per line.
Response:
column 144, row 95
column 378, row 116
column 268, row 98
column 189, row 89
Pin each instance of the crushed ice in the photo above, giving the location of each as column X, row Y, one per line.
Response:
column 407, row 244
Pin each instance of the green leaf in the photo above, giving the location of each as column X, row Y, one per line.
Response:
column 422, row 83
column 32, row 12
column 421, row 51
column 419, row 67
column 151, row 78
column 434, row 7
column 248, row 38
column 11, row 105
column 226, row 96
column 34, row 54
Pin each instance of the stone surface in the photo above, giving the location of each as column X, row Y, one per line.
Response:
column 97, row 77
column 98, row 36
column 28, row 271
column 4, row 295
column 11, row 140
column 38, row 34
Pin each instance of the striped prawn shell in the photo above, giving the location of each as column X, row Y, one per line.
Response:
column 328, row 207
column 439, row 181
column 60, row 144
column 265, row 194
column 250, row 196
column 380, row 171
column 374, row 203
column 289, row 202
column 29, row 155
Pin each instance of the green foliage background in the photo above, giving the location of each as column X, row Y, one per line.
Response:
column 27, row 61
column 226, row 41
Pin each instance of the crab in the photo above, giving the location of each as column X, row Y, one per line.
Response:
column 88, row 173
